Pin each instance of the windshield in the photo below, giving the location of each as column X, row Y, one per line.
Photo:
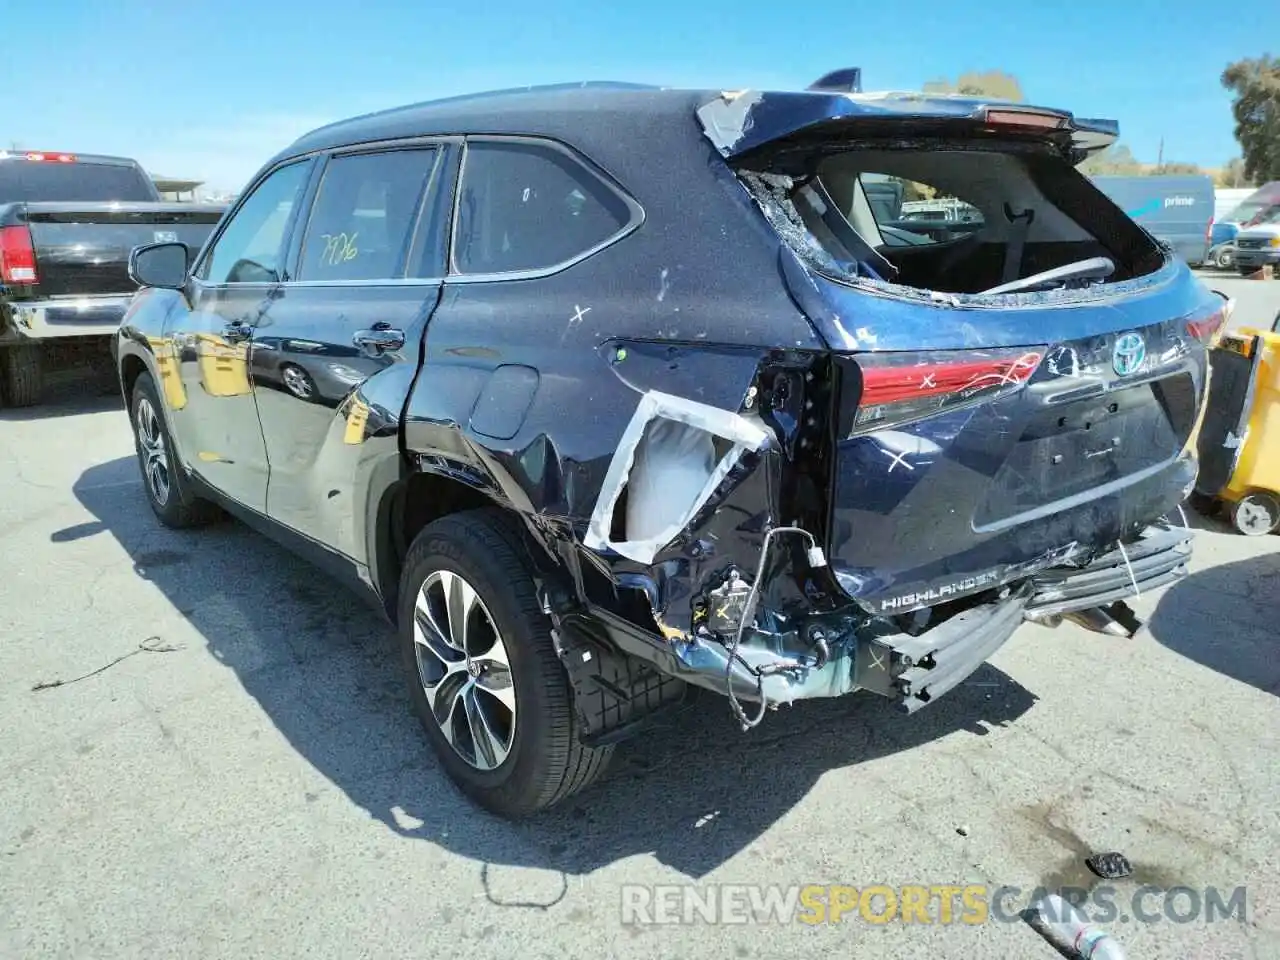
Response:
column 30, row 181
column 1244, row 212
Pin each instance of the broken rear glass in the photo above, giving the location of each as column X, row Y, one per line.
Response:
column 961, row 217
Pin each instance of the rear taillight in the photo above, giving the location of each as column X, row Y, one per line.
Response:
column 1026, row 119
column 899, row 388
column 17, row 256
column 1208, row 231
column 1206, row 326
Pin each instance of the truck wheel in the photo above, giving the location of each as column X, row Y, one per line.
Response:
column 23, row 375
column 483, row 675
column 162, row 478
column 1256, row 515
column 1226, row 259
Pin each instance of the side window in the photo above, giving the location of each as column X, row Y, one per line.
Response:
column 529, row 206
column 251, row 248
column 364, row 215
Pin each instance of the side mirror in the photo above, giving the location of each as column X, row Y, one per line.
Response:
column 161, row 265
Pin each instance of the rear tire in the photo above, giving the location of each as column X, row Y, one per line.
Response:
column 1256, row 514
column 22, row 374
column 166, row 486
column 512, row 760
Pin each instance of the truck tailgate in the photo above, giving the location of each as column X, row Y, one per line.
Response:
column 83, row 249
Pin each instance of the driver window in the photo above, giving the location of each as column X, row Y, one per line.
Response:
column 251, row 248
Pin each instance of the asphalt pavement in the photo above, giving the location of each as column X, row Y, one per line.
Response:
column 206, row 751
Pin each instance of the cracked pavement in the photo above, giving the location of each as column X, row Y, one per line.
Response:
column 262, row 790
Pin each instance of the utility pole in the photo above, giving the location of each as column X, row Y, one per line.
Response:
column 1160, row 157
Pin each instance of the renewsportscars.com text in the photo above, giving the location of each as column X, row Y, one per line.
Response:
column 943, row 904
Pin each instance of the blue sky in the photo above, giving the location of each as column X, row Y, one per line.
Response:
column 210, row 90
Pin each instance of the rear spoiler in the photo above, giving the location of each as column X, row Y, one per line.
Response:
column 741, row 122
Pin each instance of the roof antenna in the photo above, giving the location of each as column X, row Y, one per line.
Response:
column 844, row 80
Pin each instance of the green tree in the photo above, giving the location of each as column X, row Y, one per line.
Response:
column 1232, row 174
column 1255, row 88
column 988, row 83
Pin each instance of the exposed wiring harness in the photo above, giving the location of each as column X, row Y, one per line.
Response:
column 816, row 559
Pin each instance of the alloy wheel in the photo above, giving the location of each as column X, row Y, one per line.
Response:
column 465, row 670
column 297, row 381
column 155, row 458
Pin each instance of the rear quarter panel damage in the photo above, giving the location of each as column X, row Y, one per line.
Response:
column 691, row 305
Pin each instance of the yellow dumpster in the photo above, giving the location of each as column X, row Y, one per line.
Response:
column 1239, row 443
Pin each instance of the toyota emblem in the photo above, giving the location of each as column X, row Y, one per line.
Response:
column 1129, row 355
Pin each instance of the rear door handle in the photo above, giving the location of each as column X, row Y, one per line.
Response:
column 236, row 330
column 378, row 339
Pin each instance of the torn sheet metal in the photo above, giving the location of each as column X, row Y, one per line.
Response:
column 707, row 662
column 662, row 513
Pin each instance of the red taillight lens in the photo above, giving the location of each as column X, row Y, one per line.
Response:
column 36, row 156
column 898, row 388
column 1030, row 119
column 17, row 256
column 1208, row 231
column 1205, row 328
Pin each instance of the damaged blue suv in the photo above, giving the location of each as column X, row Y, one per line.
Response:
column 605, row 393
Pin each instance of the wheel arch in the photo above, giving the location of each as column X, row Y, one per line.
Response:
column 132, row 367
column 408, row 505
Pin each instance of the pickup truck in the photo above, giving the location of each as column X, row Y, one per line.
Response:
column 67, row 225
column 1258, row 243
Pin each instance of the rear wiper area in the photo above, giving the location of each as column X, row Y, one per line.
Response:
column 1095, row 268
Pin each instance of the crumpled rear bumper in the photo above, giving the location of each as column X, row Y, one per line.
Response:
column 935, row 662
column 1156, row 559
column 914, row 670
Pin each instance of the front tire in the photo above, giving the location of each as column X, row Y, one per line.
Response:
column 483, row 674
column 22, row 374
column 166, row 486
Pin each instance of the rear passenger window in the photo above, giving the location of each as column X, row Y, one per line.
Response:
column 364, row 214
column 527, row 206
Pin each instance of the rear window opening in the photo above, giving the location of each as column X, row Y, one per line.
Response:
column 967, row 218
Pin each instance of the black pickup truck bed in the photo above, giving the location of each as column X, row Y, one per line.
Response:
column 67, row 226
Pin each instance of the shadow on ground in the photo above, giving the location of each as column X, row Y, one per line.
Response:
column 323, row 668
column 1225, row 618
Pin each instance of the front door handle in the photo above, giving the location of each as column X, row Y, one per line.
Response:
column 378, row 339
column 236, row 331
